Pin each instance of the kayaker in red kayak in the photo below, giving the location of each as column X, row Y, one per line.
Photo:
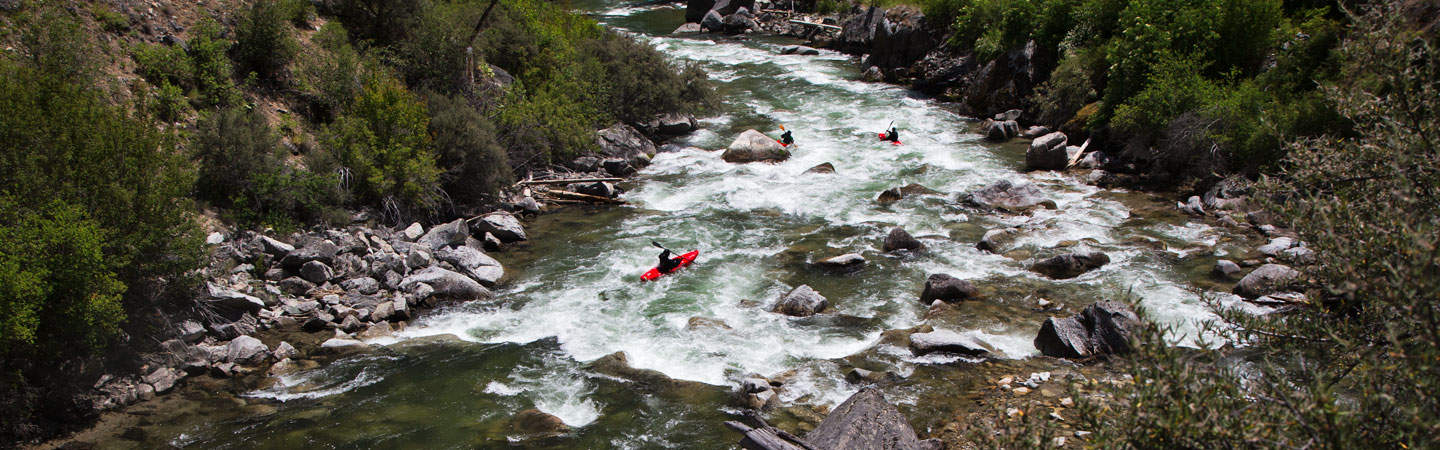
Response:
column 893, row 135
column 667, row 264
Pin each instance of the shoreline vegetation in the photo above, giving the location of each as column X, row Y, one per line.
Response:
column 307, row 127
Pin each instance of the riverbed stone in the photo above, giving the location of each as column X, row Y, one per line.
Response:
column 948, row 342
column 845, row 262
column 899, row 239
column 363, row 285
column 946, row 288
column 1299, row 256
column 479, row 266
column 1226, row 269
column 535, row 423
column 1007, row 196
column 502, row 225
column 284, row 350
column 802, row 301
column 274, row 247
column 865, row 421
column 1276, row 246
column 997, row 240
column 754, row 146
column 245, row 350
column 447, row 284
column 1070, row 265
column 1102, row 328
column 1047, row 152
column 1266, row 279
column 822, row 168
column 318, row 250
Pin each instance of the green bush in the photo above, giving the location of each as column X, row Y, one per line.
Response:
column 466, row 148
column 170, row 103
column 213, row 72
column 1070, row 87
column 330, row 79
column 162, row 64
column 432, row 56
column 109, row 20
column 641, row 83
column 264, row 43
column 242, row 169
column 383, row 148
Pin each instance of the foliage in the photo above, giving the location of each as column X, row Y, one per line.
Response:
column 1357, row 367
column 330, row 79
column 109, row 20
column 213, row 72
column 170, row 103
column 242, row 168
column 466, row 148
column 383, row 148
column 163, row 64
column 264, row 42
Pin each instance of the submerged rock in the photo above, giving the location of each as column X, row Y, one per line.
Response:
column 1102, row 328
column 1070, row 265
column 946, row 288
column 997, row 240
column 754, row 146
column 1266, row 279
column 946, row 341
column 1007, row 196
column 846, row 262
column 536, row 423
column 898, row 239
column 822, row 168
column 1048, row 152
column 801, row 302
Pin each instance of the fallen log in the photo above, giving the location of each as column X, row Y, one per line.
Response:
column 816, row 25
column 568, row 181
column 1078, row 155
column 578, row 196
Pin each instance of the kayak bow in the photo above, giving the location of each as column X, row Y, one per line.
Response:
column 685, row 260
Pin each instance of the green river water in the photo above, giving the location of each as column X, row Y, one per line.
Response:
column 456, row 376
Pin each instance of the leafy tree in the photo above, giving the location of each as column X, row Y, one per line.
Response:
column 383, row 147
column 264, row 43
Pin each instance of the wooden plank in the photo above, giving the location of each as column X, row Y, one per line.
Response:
column 578, row 196
column 1078, row 155
column 570, row 180
column 817, row 25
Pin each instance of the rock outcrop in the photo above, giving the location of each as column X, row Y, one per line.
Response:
column 1070, row 265
column 801, row 302
column 946, row 288
column 1006, row 196
column 1102, row 328
column 754, row 146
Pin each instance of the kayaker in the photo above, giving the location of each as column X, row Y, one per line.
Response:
column 786, row 139
column 893, row 135
column 667, row 263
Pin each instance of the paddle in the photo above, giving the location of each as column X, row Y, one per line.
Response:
column 657, row 245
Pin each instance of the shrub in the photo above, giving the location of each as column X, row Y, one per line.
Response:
column 162, row 64
column 330, row 79
column 213, row 72
column 641, row 83
column 432, row 55
column 465, row 146
column 1070, row 87
column 383, row 144
column 109, row 20
column 170, row 103
column 264, row 44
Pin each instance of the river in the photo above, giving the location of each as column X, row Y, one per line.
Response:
column 456, row 376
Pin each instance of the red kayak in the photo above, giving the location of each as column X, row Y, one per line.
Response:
column 685, row 260
column 882, row 137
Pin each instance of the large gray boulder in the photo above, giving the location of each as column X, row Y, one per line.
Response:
column 712, row 21
column 1102, row 328
column 900, row 38
column 245, row 350
column 479, row 266
column 1007, row 196
column 229, row 302
column 948, row 342
column 673, row 124
column 899, row 239
column 273, row 246
column 1266, row 279
column 316, row 272
column 320, row 250
column 866, row 421
column 801, row 302
column 1048, row 152
column 440, row 236
column 363, row 285
column 446, row 284
column 502, row 225
column 753, row 146
column 857, row 33
column 625, row 142
column 740, row 21
column 946, row 288
column 999, row 130
column 1070, row 265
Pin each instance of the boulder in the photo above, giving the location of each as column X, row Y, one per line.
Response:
column 274, row 247
column 163, row 379
column 1036, row 131
column 245, row 350
column 190, row 331
column 799, row 50
column 625, row 142
column 1102, row 328
column 316, row 272
column 363, row 285
column 946, row 288
column 1013, row 114
column 752, row 146
column 1226, row 269
column 898, row 239
column 846, row 262
column 891, row 195
column 598, row 189
column 320, row 250
column 418, row 258
column 739, row 22
column 713, row 21
column 534, row 423
column 446, row 284
column 873, row 74
column 673, row 124
column 618, row 167
column 1191, row 206
column 383, row 312
column 479, row 266
column 412, row 232
column 1006, row 196
column 687, row 28
column 1298, row 255
column 1266, row 279
column 376, row 330
column 865, row 421
column 1070, row 265
column 502, row 225
column 440, row 236
column 1276, row 246
column 284, row 350
column 296, row 286
column 999, row 130
column 947, row 341
column 801, row 302
column 822, row 168
column 230, row 303
column 997, row 240
column 1047, row 152
column 857, row 33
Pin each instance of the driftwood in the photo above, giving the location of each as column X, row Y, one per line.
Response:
column 578, row 196
column 816, row 25
column 1078, row 155
column 568, row 181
